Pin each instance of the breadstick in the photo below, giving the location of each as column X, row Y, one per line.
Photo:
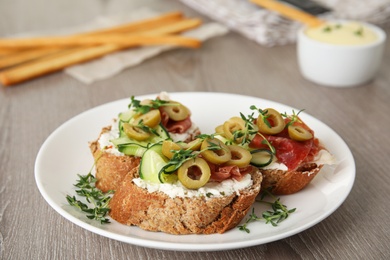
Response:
column 22, row 56
column 6, row 52
column 117, row 39
column 57, row 62
column 138, row 26
column 289, row 12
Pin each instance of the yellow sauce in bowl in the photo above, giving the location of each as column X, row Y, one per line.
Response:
column 349, row 33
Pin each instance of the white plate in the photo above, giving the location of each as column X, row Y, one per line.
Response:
column 65, row 154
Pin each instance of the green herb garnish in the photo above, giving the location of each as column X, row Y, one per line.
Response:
column 145, row 108
column 146, row 128
column 209, row 194
column 359, row 32
column 97, row 201
column 151, row 104
column 327, row 29
column 278, row 213
column 252, row 218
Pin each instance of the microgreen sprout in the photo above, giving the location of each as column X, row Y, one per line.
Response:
column 262, row 115
column 146, row 128
column 144, row 108
column 293, row 118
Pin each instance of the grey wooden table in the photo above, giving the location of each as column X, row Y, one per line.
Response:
column 29, row 112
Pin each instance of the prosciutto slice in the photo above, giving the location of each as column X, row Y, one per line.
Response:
column 177, row 127
column 221, row 173
column 289, row 152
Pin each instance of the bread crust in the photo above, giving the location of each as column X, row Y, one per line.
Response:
column 281, row 182
column 155, row 211
column 110, row 168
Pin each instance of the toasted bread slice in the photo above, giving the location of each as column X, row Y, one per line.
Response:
column 281, row 182
column 156, row 211
column 110, row 168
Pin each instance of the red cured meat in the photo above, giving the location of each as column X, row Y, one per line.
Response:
column 289, row 152
column 178, row 127
column 221, row 173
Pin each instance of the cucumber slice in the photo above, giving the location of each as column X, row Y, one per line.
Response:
column 167, row 178
column 261, row 157
column 126, row 115
column 151, row 164
column 132, row 149
column 162, row 134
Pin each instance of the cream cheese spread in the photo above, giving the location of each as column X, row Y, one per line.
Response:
column 105, row 140
column 106, row 145
column 210, row 190
column 323, row 157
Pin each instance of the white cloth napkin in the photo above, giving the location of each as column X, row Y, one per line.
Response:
column 269, row 29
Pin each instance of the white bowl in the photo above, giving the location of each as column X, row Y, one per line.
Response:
column 340, row 65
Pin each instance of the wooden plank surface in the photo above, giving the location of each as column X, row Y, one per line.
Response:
column 31, row 229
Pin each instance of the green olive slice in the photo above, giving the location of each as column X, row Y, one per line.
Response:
column 194, row 145
column 146, row 102
column 176, row 111
column 150, row 119
column 135, row 132
column 298, row 133
column 219, row 130
column 194, row 173
column 168, row 146
column 239, row 156
column 275, row 120
column 215, row 151
column 233, row 126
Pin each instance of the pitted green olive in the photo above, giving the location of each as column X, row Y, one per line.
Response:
column 275, row 120
column 176, row 111
column 240, row 156
column 150, row 119
column 194, row 173
column 135, row 132
column 232, row 127
column 299, row 133
column 168, row 146
column 215, row 151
